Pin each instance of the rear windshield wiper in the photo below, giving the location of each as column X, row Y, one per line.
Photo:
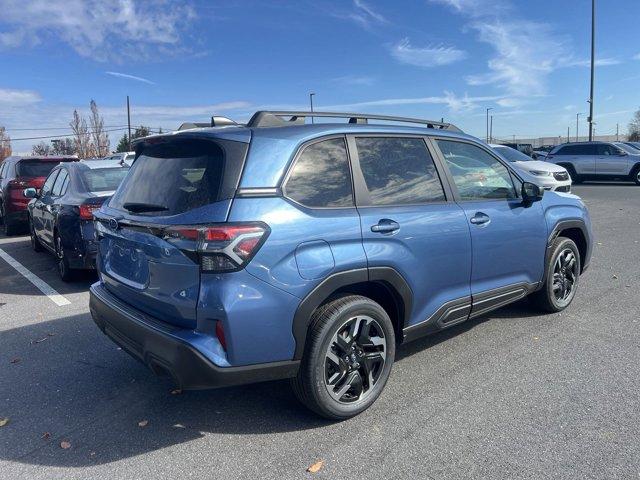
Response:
column 144, row 207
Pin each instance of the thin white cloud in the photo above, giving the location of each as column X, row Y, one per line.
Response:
column 636, row 56
column 10, row 96
column 362, row 14
column 600, row 62
column 368, row 11
column 431, row 56
column 97, row 29
column 357, row 80
column 130, row 77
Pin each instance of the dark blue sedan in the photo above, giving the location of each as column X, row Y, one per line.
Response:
column 61, row 213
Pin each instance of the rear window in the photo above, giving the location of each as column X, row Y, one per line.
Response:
column 181, row 175
column 103, row 179
column 34, row 168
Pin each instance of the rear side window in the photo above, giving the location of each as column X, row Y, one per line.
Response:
column 584, row 149
column 321, row 176
column 103, row 179
column 607, row 149
column 34, row 168
column 181, row 175
column 398, row 171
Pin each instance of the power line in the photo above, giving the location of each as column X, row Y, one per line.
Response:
column 54, row 128
column 63, row 136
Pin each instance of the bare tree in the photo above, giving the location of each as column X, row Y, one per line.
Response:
column 100, row 138
column 64, row 146
column 41, row 149
column 82, row 137
column 5, row 144
column 634, row 127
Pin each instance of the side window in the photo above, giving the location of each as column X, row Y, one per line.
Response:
column 321, row 176
column 65, row 184
column 48, row 184
column 3, row 167
column 608, row 149
column 476, row 173
column 398, row 171
column 57, row 187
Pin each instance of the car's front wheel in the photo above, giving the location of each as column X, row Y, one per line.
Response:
column 348, row 357
column 562, row 276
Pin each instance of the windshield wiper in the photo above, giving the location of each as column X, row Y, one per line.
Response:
column 144, row 207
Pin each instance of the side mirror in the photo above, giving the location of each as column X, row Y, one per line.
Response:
column 622, row 153
column 531, row 193
column 30, row 192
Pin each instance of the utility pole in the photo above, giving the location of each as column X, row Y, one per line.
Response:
column 593, row 50
column 567, row 134
column 577, row 127
column 129, row 122
column 617, row 132
column 491, row 130
column 488, row 108
column 311, row 104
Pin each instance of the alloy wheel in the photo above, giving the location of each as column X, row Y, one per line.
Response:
column 355, row 359
column 565, row 275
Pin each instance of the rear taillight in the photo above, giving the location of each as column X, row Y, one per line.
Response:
column 18, row 184
column 220, row 335
column 220, row 248
column 86, row 210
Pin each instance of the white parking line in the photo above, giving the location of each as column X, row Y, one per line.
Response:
column 43, row 286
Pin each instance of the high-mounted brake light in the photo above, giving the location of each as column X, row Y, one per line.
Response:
column 221, row 248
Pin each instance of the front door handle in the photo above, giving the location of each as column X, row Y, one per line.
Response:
column 480, row 219
column 385, row 226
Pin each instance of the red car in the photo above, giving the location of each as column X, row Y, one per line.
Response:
column 16, row 174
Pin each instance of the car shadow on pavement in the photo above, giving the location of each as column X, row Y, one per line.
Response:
column 64, row 381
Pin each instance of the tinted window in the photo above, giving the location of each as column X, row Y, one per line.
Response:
column 608, row 149
column 581, row 149
column 321, row 176
column 48, row 184
column 65, row 185
column 57, row 187
column 398, row 171
column 103, row 179
column 476, row 173
column 512, row 155
column 181, row 175
column 34, row 168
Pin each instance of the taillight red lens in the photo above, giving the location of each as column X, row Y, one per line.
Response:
column 222, row 248
column 220, row 334
column 86, row 210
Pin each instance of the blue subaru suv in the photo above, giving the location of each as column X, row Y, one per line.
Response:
column 284, row 249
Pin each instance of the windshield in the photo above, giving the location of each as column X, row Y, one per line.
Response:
column 512, row 155
column 175, row 177
column 103, row 179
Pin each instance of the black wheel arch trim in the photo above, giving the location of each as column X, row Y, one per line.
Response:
column 342, row 279
column 565, row 225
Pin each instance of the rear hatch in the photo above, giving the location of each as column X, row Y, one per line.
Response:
column 146, row 230
column 31, row 172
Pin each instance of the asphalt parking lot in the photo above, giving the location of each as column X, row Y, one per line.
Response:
column 510, row 395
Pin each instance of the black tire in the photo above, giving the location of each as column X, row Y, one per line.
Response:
column 635, row 175
column 352, row 324
column 67, row 274
column 575, row 178
column 562, row 277
column 35, row 243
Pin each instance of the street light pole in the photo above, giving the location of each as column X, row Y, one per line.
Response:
column 577, row 126
column 311, row 104
column 488, row 108
column 129, row 122
column 491, row 130
column 593, row 49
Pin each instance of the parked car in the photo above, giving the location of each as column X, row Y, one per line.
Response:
column 126, row 157
column 16, row 174
column 525, row 148
column 596, row 161
column 635, row 145
column 61, row 214
column 544, row 174
column 308, row 251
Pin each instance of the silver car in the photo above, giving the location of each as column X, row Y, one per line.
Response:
column 547, row 175
column 597, row 161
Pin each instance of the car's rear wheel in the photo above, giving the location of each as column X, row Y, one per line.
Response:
column 575, row 178
column 66, row 273
column 348, row 357
column 35, row 243
column 635, row 175
column 562, row 276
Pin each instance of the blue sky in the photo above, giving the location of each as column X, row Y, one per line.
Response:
column 184, row 61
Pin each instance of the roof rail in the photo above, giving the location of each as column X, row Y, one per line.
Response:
column 268, row 118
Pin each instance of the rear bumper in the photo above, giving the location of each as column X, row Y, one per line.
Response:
column 156, row 344
column 19, row 216
column 83, row 257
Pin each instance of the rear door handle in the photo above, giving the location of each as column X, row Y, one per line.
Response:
column 480, row 219
column 385, row 225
